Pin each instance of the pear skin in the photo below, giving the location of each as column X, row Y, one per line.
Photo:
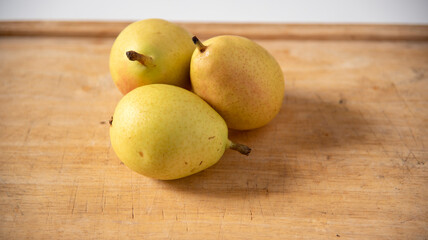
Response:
column 151, row 51
column 239, row 79
column 166, row 132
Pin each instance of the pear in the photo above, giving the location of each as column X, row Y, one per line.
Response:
column 151, row 51
column 239, row 79
column 166, row 132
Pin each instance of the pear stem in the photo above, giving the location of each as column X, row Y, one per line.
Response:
column 240, row 148
column 145, row 60
column 201, row 47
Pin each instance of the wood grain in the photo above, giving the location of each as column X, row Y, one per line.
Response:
column 346, row 158
column 207, row 30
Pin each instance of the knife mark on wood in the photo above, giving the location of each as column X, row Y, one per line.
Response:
column 74, row 200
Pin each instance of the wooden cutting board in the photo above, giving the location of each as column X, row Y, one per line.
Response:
column 346, row 158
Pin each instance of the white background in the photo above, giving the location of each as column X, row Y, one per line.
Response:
column 286, row 11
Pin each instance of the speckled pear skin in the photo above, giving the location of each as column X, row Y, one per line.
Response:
column 239, row 79
column 169, row 45
column 166, row 132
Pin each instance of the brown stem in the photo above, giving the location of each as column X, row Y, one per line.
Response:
column 201, row 47
column 145, row 60
column 240, row 148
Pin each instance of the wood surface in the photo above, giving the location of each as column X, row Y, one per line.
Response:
column 256, row 31
column 346, row 158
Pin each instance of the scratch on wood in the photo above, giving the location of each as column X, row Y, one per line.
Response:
column 266, row 189
column 103, row 201
column 132, row 193
column 172, row 228
column 132, row 210
column 374, row 133
column 117, row 204
column 403, row 159
column 74, row 199
column 185, row 218
column 422, row 162
column 17, row 210
column 402, row 99
column 319, row 98
column 261, row 209
column 395, row 127
column 413, row 136
column 221, row 224
column 62, row 161
column 49, row 212
column 153, row 202
column 28, row 132
column 407, row 220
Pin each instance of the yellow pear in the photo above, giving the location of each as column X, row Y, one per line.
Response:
column 151, row 51
column 166, row 132
column 239, row 79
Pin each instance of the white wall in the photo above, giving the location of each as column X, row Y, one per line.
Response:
column 289, row 11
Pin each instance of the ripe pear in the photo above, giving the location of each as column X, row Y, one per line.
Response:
column 166, row 132
column 151, row 51
column 239, row 79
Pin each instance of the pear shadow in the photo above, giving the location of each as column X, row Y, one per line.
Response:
column 303, row 128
